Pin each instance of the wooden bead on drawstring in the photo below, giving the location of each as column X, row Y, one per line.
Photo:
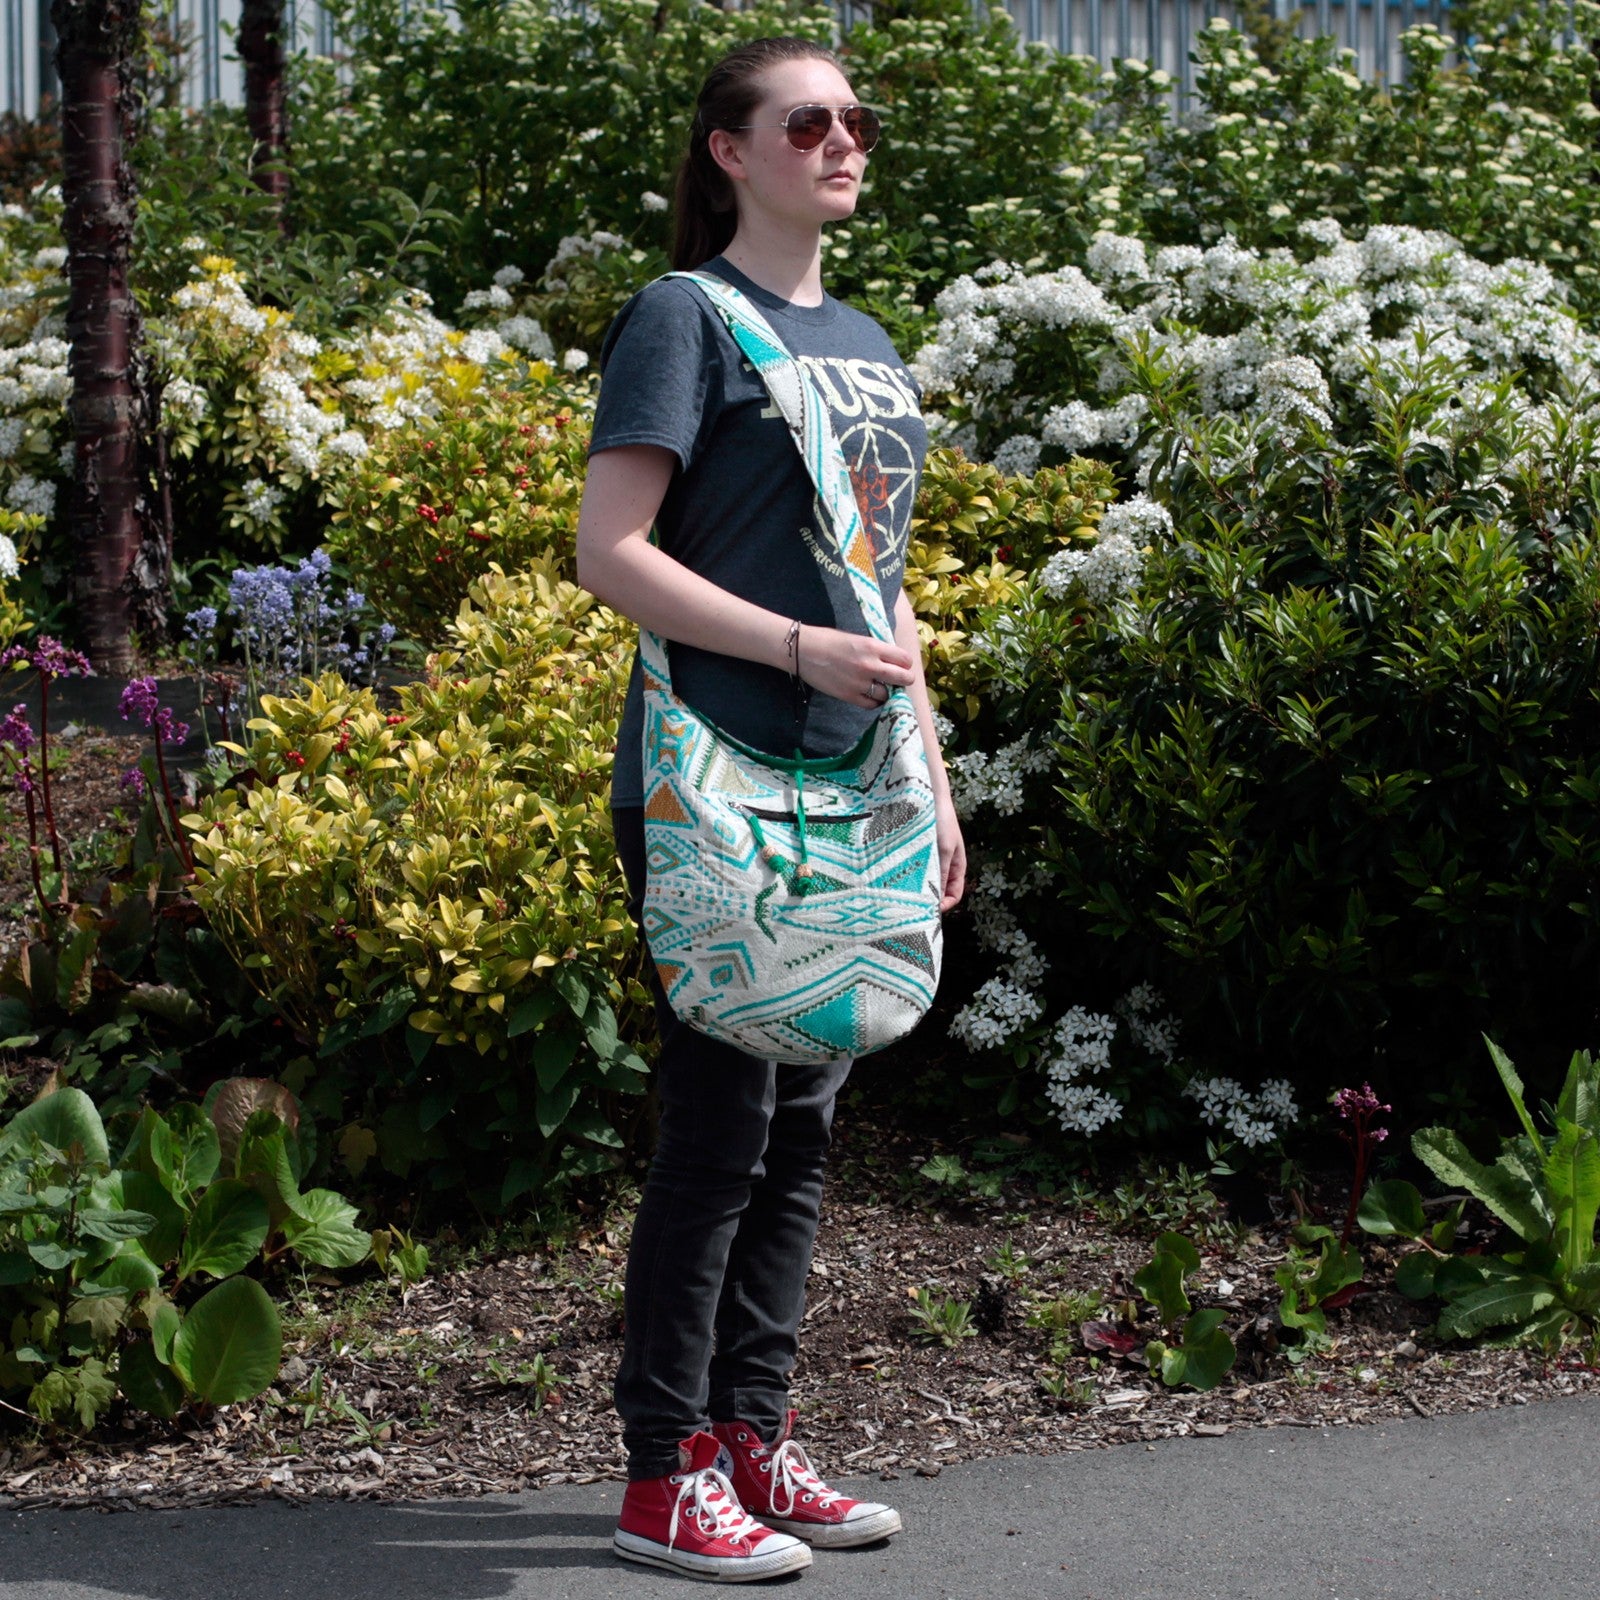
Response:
column 769, row 854
column 803, row 870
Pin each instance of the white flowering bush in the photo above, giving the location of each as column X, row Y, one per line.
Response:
column 1034, row 365
column 1307, row 736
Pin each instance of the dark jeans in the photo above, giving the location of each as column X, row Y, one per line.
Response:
column 722, row 1241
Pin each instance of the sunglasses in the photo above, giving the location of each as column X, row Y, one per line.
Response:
column 807, row 126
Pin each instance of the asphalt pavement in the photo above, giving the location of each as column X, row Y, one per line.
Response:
column 1498, row 1503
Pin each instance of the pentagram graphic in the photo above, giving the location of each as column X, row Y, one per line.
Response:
column 884, row 478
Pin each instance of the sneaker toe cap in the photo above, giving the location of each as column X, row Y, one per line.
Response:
column 865, row 1511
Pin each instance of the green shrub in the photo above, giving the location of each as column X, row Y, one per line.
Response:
column 495, row 477
column 974, row 535
column 434, row 895
column 1315, row 744
column 103, row 1263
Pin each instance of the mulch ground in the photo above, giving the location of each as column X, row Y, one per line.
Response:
column 92, row 810
column 391, row 1396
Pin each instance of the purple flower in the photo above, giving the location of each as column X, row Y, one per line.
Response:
column 139, row 700
column 168, row 730
column 1355, row 1102
column 17, row 731
column 385, row 632
column 52, row 659
column 200, row 622
column 133, row 779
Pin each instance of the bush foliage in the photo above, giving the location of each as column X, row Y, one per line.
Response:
column 420, row 890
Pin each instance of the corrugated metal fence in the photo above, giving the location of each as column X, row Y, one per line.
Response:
column 1158, row 31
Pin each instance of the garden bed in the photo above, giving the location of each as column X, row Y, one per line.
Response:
column 387, row 1397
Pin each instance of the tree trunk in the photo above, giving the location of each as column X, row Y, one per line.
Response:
column 265, row 101
column 98, row 46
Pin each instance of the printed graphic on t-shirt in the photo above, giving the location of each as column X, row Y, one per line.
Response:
column 864, row 396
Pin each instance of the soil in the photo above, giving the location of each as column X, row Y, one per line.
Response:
column 386, row 1395
column 92, row 811
column 433, row 1391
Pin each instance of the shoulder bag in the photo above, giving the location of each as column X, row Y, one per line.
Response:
column 791, row 906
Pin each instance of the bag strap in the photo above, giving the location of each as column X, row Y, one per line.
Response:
column 811, row 428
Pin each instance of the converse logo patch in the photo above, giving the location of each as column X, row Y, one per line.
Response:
column 724, row 1461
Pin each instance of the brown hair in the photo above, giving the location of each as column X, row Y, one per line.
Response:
column 703, row 201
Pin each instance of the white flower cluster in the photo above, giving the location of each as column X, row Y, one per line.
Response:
column 495, row 298
column 652, row 201
column 997, row 1012
column 1108, row 569
column 1151, row 1032
column 981, row 777
column 33, row 497
column 1007, row 1003
column 259, row 500
column 578, row 246
column 1080, row 1043
column 10, row 566
column 527, row 335
column 1304, row 324
column 1252, row 1119
column 1018, row 457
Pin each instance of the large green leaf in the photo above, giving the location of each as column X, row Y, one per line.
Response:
column 1204, row 1357
column 63, row 1118
column 265, row 1164
column 161, row 1243
column 1579, row 1100
column 1413, row 1274
column 1160, row 1281
column 147, row 1383
column 165, row 1319
column 1508, row 1300
column 184, row 1148
column 230, row 1344
column 226, row 1232
column 1509, row 1195
column 130, row 1270
column 1572, row 1169
column 324, row 1230
column 1513, row 1083
column 1393, row 1207
column 116, row 1225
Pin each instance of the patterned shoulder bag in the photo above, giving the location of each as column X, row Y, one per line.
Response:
column 791, row 906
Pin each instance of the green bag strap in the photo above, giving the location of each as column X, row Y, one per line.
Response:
column 811, row 428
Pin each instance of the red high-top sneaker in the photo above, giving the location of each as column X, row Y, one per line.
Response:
column 778, row 1484
column 691, row 1520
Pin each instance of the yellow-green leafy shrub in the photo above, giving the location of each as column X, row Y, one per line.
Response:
column 495, row 477
column 975, row 536
column 433, row 896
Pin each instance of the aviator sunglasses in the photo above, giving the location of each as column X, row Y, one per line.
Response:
column 807, row 126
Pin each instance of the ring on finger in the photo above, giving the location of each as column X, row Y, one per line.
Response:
column 880, row 690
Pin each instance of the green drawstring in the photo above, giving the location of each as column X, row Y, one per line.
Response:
column 803, row 871
column 770, row 853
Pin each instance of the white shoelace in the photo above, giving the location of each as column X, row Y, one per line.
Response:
column 712, row 1497
column 791, row 1467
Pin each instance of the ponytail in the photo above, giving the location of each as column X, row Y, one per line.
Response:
column 705, row 214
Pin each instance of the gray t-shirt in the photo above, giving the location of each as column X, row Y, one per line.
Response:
column 741, row 509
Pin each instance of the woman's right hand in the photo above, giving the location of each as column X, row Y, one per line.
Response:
column 851, row 666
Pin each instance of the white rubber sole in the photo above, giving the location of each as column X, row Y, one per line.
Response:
column 842, row 1535
column 715, row 1569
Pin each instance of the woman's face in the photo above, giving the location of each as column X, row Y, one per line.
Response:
column 771, row 178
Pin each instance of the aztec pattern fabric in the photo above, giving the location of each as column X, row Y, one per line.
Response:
column 791, row 907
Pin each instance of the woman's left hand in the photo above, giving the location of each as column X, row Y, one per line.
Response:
column 952, row 854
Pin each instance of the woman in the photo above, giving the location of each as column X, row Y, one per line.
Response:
column 767, row 643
